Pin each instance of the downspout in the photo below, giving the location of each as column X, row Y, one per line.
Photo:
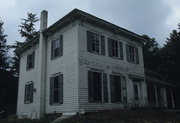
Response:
column 42, row 62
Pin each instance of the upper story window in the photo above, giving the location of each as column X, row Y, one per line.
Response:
column 97, row 87
column 30, row 60
column 57, row 47
column 95, row 43
column 118, row 88
column 115, row 48
column 132, row 54
column 28, row 98
column 56, row 89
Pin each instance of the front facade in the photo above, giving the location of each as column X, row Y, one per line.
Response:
column 80, row 64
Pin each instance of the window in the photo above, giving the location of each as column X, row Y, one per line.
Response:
column 118, row 88
column 136, row 92
column 97, row 87
column 115, row 48
column 132, row 54
column 56, row 89
column 28, row 98
column 30, row 60
column 57, row 47
column 95, row 43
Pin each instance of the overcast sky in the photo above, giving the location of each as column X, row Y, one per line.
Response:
column 155, row 18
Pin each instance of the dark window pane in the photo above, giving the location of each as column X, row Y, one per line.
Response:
column 136, row 93
column 117, row 81
column 97, row 87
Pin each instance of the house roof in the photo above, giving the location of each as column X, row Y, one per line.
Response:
column 77, row 14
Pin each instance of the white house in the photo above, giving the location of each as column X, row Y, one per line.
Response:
column 81, row 63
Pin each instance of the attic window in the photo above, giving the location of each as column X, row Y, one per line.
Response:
column 57, row 47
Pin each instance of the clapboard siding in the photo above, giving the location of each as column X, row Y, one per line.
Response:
column 68, row 66
column 28, row 110
column 107, row 64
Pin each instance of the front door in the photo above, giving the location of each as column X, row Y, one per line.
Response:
column 136, row 93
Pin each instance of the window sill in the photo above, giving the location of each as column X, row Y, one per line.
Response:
column 56, row 58
column 133, row 62
column 29, row 69
column 55, row 104
column 97, row 53
column 28, row 102
column 115, row 57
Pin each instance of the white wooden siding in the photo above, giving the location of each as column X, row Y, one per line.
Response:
column 89, row 60
column 68, row 66
column 28, row 110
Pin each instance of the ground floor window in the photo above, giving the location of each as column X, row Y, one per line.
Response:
column 56, row 89
column 28, row 98
column 97, row 86
column 118, row 88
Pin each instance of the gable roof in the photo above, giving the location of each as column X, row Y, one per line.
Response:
column 77, row 14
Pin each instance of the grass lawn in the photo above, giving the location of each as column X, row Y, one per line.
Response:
column 114, row 116
column 127, row 116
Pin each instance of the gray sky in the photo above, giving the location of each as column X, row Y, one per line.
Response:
column 155, row 18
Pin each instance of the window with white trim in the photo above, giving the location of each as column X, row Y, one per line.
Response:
column 95, row 43
column 115, row 48
column 97, row 87
column 132, row 54
column 118, row 88
column 30, row 60
column 57, row 47
column 56, row 89
column 28, row 97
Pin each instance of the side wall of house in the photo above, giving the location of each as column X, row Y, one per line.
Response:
column 88, row 61
column 28, row 110
column 66, row 65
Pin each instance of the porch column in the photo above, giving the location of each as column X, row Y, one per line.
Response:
column 172, row 98
column 156, row 96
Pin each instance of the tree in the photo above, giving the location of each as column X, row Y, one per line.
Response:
column 170, row 57
column 3, row 49
column 8, row 83
column 28, row 30
column 150, row 52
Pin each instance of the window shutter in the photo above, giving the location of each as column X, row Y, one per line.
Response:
column 112, row 86
column 110, row 47
column 124, row 89
column 31, row 92
column 90, row 86
column 27, row 64
column 102, row 45
column 121, row 50
column 52, row 49
column 61, row 45
column 25, row 94
column 137, row 55
column 127, row 53
column 89, row 41
column 33, row 59
column 105, row 87
column 51, row 96
column 61, row 88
